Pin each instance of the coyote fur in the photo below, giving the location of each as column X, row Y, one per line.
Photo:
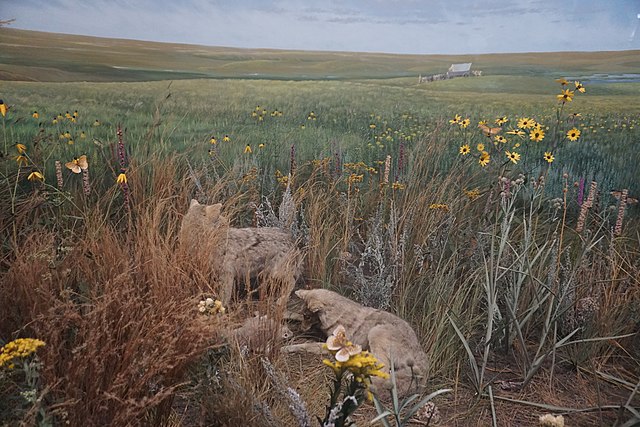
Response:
column 239, row 255
column 386, row 336
column 259, row 333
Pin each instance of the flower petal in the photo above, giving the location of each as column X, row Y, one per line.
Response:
column 342, row 355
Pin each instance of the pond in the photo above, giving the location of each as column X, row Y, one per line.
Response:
column 608, row 78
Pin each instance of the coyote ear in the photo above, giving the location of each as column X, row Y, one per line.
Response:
column 193, row 203
column 213, row 211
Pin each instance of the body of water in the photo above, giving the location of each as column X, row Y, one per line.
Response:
column 608, row 78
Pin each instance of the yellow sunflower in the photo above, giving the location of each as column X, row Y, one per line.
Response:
column 549, row 157
column 573, row 134
column 484, row 159
column 513, row 156
column 526, row 123
column 565, row 96
column 536, row 134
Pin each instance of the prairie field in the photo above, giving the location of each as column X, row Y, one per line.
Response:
column 498, row 215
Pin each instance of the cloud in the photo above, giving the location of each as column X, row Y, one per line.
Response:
column 402, row 26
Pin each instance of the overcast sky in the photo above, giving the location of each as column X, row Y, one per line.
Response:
column 399, row 26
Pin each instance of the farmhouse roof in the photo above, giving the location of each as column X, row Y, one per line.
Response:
column 460, row 68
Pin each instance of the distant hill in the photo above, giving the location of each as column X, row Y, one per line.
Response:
column 39, row 56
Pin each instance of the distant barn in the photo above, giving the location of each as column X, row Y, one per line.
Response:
column 456, row 70
column 459, row 70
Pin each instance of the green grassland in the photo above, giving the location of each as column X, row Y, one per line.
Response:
column 30, row 55
column 489, row 266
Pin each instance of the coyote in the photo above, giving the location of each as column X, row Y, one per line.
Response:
column 385, row 335
column 240, row 255
column 259, row 333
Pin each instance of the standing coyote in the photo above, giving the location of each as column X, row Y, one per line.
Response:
column 385, row 335
column 240, row 255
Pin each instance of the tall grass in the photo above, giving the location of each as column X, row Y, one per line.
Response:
column 487, row 278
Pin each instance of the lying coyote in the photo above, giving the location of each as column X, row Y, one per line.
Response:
column 385, row 335
column 241, row 255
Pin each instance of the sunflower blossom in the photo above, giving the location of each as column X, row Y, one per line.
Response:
column 465, row 149
column 502, row 120
column 35, row 176
column 549, row 157
column 536, row 134
column 484, row 159
column 565, row 96
column 456, row 120
column 518, row 132
column 579, row 87
column 573, row 134
column 22, row 160
column 513, row 156
column 526, row 123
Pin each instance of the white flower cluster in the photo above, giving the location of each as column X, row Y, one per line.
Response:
column 210, row 306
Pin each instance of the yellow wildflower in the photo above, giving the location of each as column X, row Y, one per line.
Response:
column 210, row 306
column 22, row 149
column 472, row 194
column 549, row 157
column 22, row 160
column 122, row 178
column 3, row 108
column 464, row 123
column 465, row 149
column 226, row 138
column 480, row 147
column 579, row 87
column 35, row 115
column 573, row 134
column 21, row 347
column 501, row 120
column 565, row 96
column 536, row 135
column 526, row 123
column 518, row 132
column 456, row 120
column 513, row 156
column 247, row 149
column 35, row 176
column 484, row 159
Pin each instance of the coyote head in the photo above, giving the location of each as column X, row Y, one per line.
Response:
column 205, row 215
column 201, row 223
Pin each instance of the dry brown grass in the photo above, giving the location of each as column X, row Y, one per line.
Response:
column 115, row 299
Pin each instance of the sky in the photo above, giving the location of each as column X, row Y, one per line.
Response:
column 393, row 26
